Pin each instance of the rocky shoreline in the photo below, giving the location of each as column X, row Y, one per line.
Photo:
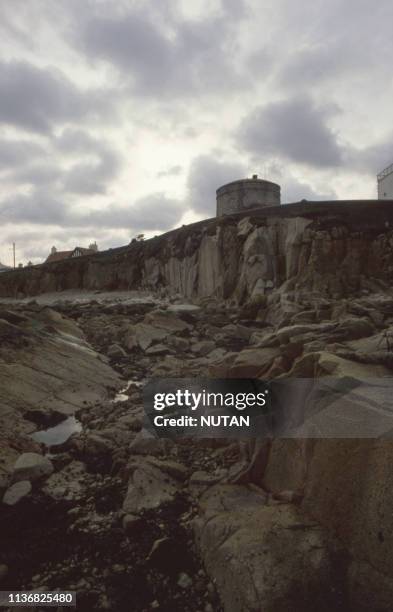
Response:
column 137, row 523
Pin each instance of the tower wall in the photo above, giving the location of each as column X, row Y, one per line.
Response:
column 246, row 194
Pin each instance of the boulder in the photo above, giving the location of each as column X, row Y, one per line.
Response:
column 158, row 349
column 143, row 335
column 148, row 489
column 270, row 558
column 115, row 351
column 32, row 466
column 182, row 344
column 168, row 321
column 251, row 363
column 145, row 444
column 203, row 348
column 16, row 492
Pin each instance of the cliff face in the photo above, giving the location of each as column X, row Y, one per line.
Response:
column 334, row 251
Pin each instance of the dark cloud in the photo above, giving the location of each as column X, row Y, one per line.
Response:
column 37, row 207
column 16, row 152
column 295, row 191
column 94, row 163
column 133, row 44
column 92, row 177
column 295, row 129
column 44, row 174
column 154, row 212
column 310, row 66
column 172, row 57
column 37, row 99
column 206, row 175
column 371, row 159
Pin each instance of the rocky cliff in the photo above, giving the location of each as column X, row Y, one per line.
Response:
column 334, row 248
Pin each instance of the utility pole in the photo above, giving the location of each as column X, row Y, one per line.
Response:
column 13, row 249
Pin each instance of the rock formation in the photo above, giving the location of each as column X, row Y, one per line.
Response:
column 283, row 525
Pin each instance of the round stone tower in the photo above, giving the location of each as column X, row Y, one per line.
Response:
column 246, row 193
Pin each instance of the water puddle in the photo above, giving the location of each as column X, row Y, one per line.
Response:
column 59, row 433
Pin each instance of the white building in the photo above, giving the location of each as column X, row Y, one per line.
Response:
column 385, row 184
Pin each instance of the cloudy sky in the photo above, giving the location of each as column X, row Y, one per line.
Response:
column 120, row 117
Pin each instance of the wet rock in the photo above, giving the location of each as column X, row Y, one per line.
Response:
column 32, row 466
column 16, row 492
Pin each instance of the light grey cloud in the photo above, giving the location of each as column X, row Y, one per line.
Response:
column 172, row 171
column 206, row 175
column 37, row 99
column 295, row 129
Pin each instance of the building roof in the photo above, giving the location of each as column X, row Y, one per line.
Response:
column 58, row 256
column 83, row 250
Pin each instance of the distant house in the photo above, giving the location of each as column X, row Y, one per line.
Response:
column 79, row 251
column 56, row 255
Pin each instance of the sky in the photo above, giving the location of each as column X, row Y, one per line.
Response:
column 123, row 117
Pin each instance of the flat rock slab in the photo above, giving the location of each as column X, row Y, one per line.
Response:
column 269, row 558
column 32, row 466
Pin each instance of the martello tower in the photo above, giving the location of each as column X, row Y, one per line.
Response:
column 246, row 194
